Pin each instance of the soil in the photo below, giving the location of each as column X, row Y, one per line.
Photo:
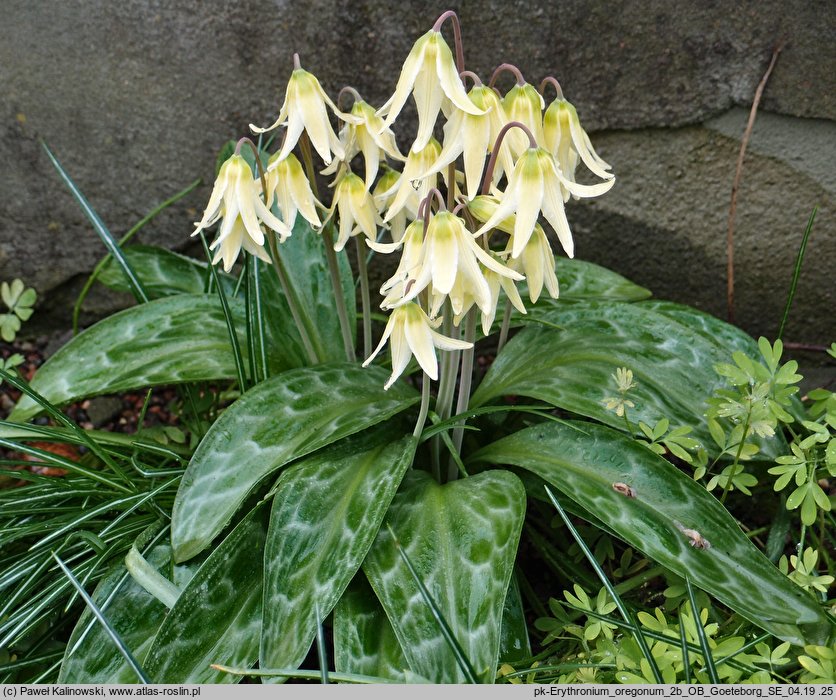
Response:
column 117, row 414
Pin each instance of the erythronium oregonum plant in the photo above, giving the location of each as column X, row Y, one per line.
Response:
column 413, row 507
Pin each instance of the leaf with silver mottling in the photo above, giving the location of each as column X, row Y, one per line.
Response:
column 461, row 537
column 166, row 341
column 281, row 419
column 327, row 510
column 217, row 618
column 669, row 517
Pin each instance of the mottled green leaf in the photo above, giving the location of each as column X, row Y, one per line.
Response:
column 91, row 656
column 364, row 641
column 572, row 366
column 730, row 338
column 304, row 258
column 670, row 519
column 327, row 510
column 217, row 618
column 162, row 273
column 710, row 327
column 177, row 339
column 513, row 642
column 281, row 419
column 579, row 279
column 462, row 539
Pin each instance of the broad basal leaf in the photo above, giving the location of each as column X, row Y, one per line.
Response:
column 91, row 656
column 304, row 259
column 513, row 642
column 579, row 279
column 327, row 510
column 279, row 420
column 162, row 273
column 217, row 618
column 730, row 337
column 462, row 540
column 570, row 365
column 364, row 641
column 165, row 273
column 177, row 339
column 669, row 517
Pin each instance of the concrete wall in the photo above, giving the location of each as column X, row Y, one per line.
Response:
column 136, row 98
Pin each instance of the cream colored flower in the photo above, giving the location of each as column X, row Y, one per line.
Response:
column 384, row 194
column 235, row 199
column 450, row 260
column 304, row 109
column 524, row 104
column 356, row 209
column 371, row 138
column 535, row 185
column 286, row 182
column 395, row 287
column 474, row 136
column 566, row 139
column 495, row 283
column 409, row 332
column 537, row 264
column 406, row 193
column 430, row 73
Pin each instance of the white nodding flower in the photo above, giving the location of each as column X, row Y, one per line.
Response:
column 357, row 213
column 449, row 261
column 495, row 282
column 304, row 110
column 474, row 135
column 236, row 200
column 394, row 288
column 567, row 140
column 413, row 187
column 536, row 184
column 537, row 264
column 430, row 73
column 286, row 182
column 370, row 138
column 384, row 194
column 409, row 331
column 524, row 104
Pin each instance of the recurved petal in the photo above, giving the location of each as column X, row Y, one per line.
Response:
column 271, row 221
column 529, row 195
column 390, row 324
column 476, row 137
column 492, row 263
column 443, row 254
column 442, row 342
column 414, row 62
column 247, row 198
column 428, row 101
column 419, row 338
column 549, row 276
column 399, row 349
column 556, row 216
column 295, row 126
column 448, row 76
column 580, row 142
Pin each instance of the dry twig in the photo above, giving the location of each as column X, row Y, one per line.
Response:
column 736, row 184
